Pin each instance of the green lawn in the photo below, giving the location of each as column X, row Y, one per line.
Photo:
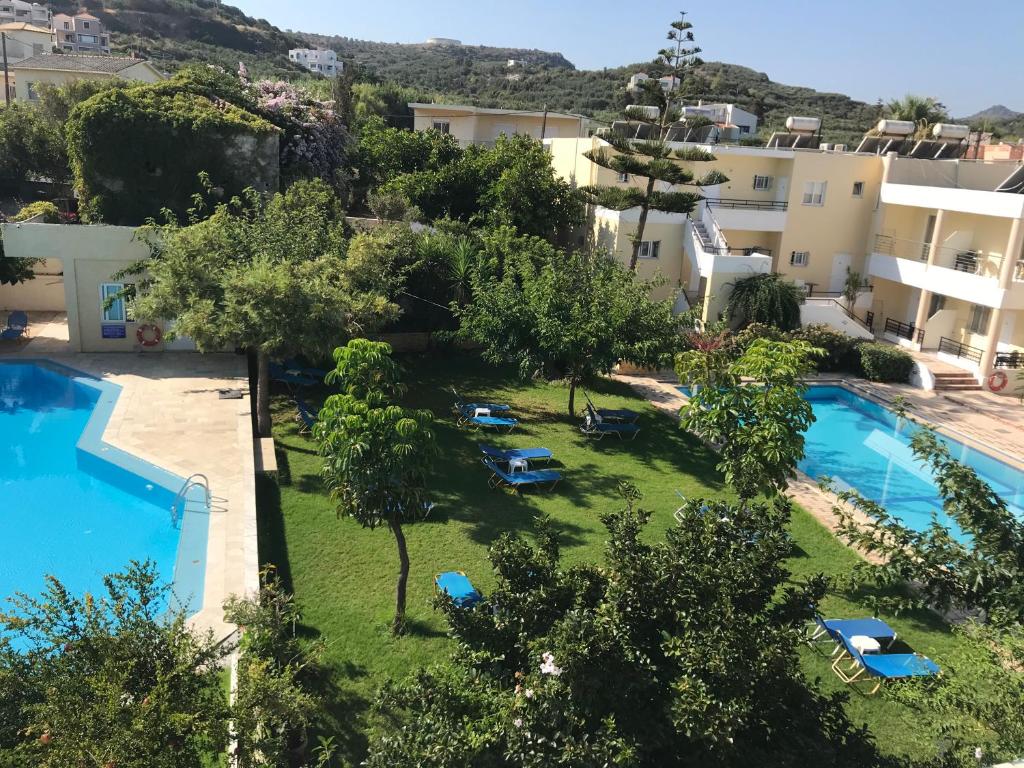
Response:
column 343, row 575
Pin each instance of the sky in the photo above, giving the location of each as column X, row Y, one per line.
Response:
column 966, row 56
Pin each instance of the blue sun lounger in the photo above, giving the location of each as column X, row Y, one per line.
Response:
column 17, row 324
column 461, row 406
column 594, row 426
column 853, row 667
column 457, row 586
column 517, row 480
column 613, row 414
column 307, row 416
column 505, row 456
column 291, row 378
column 831, row 629
column 497, row 422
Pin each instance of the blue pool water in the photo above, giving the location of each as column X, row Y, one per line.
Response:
column 862, row 445
column 72, row 507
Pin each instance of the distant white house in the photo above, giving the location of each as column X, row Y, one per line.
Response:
column 36, row 14
column 667, row 83
column 443, row 41
column 324, row 62
column 724, row 116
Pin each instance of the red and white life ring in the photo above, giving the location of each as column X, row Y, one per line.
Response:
column 997, row 381
column 149, row 335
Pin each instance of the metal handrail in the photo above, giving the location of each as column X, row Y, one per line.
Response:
column 845, row 310
column 195, row 480
column 967, row 260
column 959, row 349
column 1009, row 360
column 904, row 330
column 757, row 205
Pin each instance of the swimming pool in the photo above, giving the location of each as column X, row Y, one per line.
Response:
column 862, row 445
column 77, row 508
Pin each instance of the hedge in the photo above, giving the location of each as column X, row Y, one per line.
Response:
column 135, row 151
column 883, row 362
column 49, row 212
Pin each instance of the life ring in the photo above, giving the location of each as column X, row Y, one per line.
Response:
column 997, row 381
column 149, row 335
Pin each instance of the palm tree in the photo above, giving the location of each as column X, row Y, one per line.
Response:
column 923, row 111
column 767, row 299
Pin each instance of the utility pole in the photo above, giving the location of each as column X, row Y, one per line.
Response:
column 544, row 123
column 7, row 83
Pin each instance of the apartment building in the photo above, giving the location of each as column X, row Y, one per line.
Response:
column 12, row 11
column 24, row 40
column 61, row 69
column 81, row 33
column 728, row 117
column 324, row 62
column 477, row 125
column 938, row 241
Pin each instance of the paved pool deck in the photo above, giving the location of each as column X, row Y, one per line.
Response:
column 169, row 413
column 994, row 424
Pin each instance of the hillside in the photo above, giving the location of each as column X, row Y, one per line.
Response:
column 174, row 32
column 1002, row 121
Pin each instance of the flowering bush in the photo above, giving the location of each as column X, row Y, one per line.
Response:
column 314, row 142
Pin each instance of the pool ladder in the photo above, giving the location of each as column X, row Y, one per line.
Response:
column 195, row 480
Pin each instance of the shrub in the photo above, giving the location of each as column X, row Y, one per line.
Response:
column 882, row 362
column 743, row 339
column 840, row 349
column 43, row 208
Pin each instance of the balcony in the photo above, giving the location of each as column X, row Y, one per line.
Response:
column 749, row 215
column 710, row 254
column 962, row 273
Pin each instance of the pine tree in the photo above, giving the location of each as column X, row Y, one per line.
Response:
column 653, row 158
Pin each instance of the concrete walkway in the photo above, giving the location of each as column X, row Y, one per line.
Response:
column 169, row 413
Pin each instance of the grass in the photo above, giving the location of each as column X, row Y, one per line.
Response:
column 343, row 575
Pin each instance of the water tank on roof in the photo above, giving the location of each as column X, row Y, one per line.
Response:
column 895, row 127
column 803, row 124
column 950, row 131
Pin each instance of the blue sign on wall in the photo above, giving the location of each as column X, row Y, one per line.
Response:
column 112, row 331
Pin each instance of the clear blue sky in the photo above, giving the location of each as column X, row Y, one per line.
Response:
column 965, row 54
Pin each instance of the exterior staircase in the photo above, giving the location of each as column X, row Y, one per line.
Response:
column 956, row 382
column 702, row 232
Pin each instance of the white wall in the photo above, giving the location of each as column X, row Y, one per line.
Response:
column 44, row 293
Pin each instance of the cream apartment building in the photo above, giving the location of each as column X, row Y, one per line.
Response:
column 939, row 247
column 478, row 125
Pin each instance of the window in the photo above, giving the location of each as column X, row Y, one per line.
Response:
column 30, row 87
column 67, row 25
column 814, row 192
column 443, row 126
column 938, row 303
column 744, row 129
column 979, row 319
column 623, row 178
column 799, row 258
column 763, row 182
column 90, row 39
column 70, row 37
column 112, row 308
column 650, row 249
column 858, row 189
column 85, row 24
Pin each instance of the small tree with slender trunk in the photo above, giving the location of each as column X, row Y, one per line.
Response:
column 652, row 158
column 377, row 455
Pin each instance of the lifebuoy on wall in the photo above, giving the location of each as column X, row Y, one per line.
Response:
column 149, row 335
column 997, row 381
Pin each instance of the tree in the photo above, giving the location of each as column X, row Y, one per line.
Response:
column 377, row 455
column 981, row 570
column 273, row 705
column 115, row 679
column 653, row 159
column 676, row 652
column 976, row 703
column 768, row 299
column 923, row 111
column 268, row 276
column 570, row 315
column 509, row 184
column 31, row 147
column 757, row 426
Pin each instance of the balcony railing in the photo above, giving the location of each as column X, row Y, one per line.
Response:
column 750, row 205
column 967, row 260
column 1009, row 360
column 904, row 330
column 959, row 349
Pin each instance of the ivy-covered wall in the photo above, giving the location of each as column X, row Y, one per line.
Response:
column 135, row 151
